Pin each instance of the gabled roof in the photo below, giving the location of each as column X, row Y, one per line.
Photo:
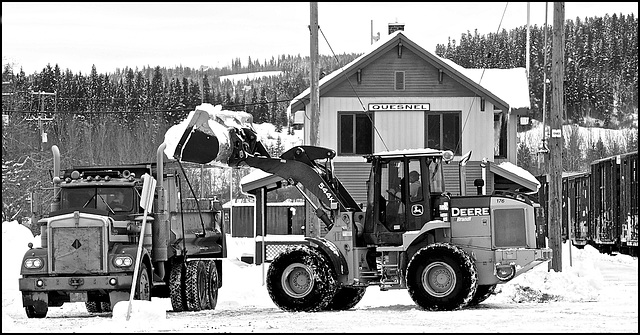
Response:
column 495, row 79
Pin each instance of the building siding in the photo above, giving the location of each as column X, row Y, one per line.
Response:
column 405, row 129
column 421, row 79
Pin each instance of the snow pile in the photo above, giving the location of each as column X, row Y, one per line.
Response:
column 590, row 135
column 591, row 278
column 15, row 238
column 581, row 280
column 141, row 311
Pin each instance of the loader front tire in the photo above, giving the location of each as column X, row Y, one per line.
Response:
column 482, row 293
column 300, row 279
column 346, row 298
column 441, row 277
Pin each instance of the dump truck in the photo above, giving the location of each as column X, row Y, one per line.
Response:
column 448, row 251
column 90, row 240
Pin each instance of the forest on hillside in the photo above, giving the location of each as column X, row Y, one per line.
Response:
column 81, row 112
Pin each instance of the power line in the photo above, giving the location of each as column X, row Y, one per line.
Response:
column 143, row 111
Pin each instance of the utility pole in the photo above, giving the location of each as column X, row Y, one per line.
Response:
column 556, row 140
column 312, row 220
column 41, row 117
column 528, row 48
column 543, row 150
column 315, row 91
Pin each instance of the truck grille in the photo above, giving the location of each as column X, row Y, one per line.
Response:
column 77, row 249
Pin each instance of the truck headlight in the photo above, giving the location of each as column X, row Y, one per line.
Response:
column 33, row 263
column 122, row 261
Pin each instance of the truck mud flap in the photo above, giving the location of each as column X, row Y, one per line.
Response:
column 39, row 300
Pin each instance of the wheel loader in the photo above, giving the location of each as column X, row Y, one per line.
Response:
column 447, row 251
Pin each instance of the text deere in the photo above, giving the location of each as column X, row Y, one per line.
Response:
column 469, row 211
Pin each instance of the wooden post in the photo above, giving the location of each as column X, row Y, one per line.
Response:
column 313, row 226
column 556, row 140
column 315, row 91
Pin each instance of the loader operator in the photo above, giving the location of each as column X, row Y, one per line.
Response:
column 414, row 185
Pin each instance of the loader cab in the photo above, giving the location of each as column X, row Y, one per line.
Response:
column 401, row 193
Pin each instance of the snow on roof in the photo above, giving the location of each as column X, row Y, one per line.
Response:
column 510, row 85
column 255, row 175
column 518, row 171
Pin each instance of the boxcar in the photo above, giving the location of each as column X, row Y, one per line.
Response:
column 614, row 204
column 629, row 203
column 575, row 207
column 600, row 205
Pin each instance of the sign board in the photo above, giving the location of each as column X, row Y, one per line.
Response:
column 148, row 190
column 399, row 107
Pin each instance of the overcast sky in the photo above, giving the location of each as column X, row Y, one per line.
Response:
column 113, row 35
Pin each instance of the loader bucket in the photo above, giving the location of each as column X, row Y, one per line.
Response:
column 198, row 143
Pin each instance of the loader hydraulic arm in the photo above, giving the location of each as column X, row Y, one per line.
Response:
column 207, row 138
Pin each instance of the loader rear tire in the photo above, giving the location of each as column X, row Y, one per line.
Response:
column 441, row 277
column 176, row 287
column 300, row 279
column 482, row 293
column 346, row 298
column 196, row 286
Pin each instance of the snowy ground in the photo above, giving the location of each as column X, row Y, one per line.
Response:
column 599, row 293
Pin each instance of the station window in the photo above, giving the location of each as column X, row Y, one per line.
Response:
column 499, row 136
column 443, row 131
column 355, row 134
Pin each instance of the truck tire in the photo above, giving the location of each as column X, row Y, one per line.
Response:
column 482, row 293
column 300, row 279
column 97, row 307
column 196, row 286
column 441, row 277
column 93, row 307
column 143, row 284
column 176, row 287
column 212, row 284
column 37, row 313
column 346, row 298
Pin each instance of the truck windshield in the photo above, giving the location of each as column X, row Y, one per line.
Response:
column 117, row 199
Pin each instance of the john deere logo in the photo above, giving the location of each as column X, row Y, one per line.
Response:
column 417, row 210
column 76, row 244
